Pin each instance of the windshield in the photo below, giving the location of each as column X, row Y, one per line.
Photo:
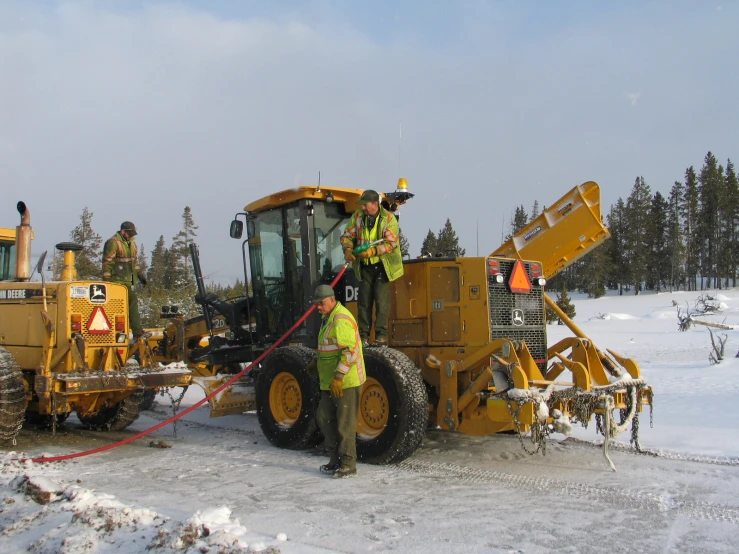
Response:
column 329, row 221
column 7, row 260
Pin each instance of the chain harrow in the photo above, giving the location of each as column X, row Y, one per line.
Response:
column 581, row 405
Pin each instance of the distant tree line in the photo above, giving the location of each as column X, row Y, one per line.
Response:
column 687, row 241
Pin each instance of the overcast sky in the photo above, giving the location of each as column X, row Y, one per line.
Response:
column 137, row 109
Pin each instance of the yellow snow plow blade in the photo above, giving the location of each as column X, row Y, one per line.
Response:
column 561, row 234
column 236, row 399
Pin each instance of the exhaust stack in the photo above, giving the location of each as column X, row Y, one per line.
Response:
column 23, row 234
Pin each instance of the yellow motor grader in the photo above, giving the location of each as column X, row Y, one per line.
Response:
column 64, row 344
column 467, row 349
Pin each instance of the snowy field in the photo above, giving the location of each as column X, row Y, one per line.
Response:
column 222, row 488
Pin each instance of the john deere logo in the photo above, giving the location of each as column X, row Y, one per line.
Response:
column 517, row 316
column 98, row 294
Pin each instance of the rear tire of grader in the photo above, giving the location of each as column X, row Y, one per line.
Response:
column 147, row 399
column 45, row 421
column 287, row 398
column 13, row 399
column 117, row 417
column 393, row 408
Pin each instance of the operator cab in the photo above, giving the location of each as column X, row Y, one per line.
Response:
column 7, row 254
column 291, row 250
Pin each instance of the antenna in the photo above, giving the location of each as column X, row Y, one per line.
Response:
column 319, row 182
column 477, row 237
column 400, row 142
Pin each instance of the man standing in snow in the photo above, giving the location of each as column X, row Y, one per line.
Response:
column 121, row 265
column 341, row 374
column 376, row 267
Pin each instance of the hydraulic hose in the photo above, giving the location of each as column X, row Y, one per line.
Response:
column 197, row 404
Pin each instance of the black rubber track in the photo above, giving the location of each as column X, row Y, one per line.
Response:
column 117, row 417
column 12, row 396
column 408, row 404
column 304, row 433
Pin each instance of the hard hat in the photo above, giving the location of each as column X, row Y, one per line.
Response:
column 129, row 227
column 322, row 292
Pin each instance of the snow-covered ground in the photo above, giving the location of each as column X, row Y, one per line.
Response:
column 222, row 488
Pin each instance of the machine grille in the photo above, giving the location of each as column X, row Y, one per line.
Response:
column 504, row 306
column 112, row 308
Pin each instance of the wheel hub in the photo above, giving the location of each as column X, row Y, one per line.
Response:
column 374, row 409
column 285, row 399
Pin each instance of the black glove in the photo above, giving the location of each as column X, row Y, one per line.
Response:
column 142, row 279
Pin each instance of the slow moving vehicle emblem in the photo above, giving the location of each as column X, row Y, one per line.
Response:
column 517, row 316
column 98, row 294
column 98, row 324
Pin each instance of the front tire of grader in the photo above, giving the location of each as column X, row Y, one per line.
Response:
column 287, row 398
column 116, row 417
column 13, row 399
column 393, row 408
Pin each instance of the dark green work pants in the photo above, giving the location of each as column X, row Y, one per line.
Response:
column 374, row 288
column 337, row 419
column 134, row 319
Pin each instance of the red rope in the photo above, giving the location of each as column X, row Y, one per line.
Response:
column 197, row 404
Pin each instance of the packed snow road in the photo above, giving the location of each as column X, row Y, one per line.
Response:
column 455, row 494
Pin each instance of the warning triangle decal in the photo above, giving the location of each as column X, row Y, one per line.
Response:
column 98, row 323
column 519, row 281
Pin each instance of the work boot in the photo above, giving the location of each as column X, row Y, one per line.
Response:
column 330, row 468
column 345, row 471
column 380, row 342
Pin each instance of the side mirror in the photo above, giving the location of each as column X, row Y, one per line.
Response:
column 237, row 229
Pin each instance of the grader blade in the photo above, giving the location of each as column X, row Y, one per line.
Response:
column 236, row 399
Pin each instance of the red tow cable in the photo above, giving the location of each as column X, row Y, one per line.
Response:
column 197, row 404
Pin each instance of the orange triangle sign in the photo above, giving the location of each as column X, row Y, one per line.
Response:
column 519, row 281
column 98, row 323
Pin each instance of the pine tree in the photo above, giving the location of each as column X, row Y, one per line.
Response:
column 428, row 246
column 637, row 220
column 710, row 184
column 447, row 243
column 595, row 270
column 616, row 247
column 690, row 215
column 157, row 270
column 732, row 195
column 675, row 244
column 404, row 245
column 88, row 261
column 658, row 256
column 534, row 211
column 518, row 221
column 181, row 275
column 565, row 304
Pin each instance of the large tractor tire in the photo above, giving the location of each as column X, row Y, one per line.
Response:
column 45, row 421
column 287, row 398
column 147, row 399
column 13, row 399
column 393, row 408
column 117, row 417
